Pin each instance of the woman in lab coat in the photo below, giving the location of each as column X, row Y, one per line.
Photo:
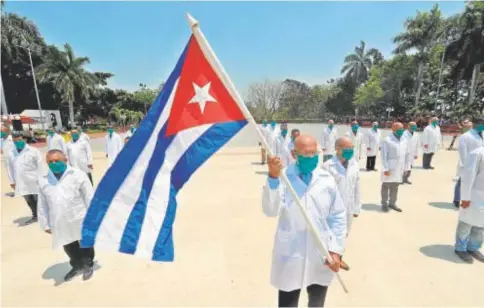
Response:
column 470, row 228
column 64, row 196
column 297, row 262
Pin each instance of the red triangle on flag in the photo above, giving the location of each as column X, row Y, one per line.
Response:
column 200, row 98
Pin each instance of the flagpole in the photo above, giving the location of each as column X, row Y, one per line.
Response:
column 214, row 61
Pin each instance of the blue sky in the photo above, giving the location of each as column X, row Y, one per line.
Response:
column 141, row 41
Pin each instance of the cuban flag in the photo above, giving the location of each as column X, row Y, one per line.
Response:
column 134, row 206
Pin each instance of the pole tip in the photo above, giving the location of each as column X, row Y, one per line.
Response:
column 191, row 21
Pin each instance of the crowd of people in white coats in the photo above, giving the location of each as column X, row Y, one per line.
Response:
column 58, row 197
column 330, row 193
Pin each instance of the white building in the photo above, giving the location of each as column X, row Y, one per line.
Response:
column 51, row 118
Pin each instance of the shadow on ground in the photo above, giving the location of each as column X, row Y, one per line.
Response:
column 262, row 172
column 21, row 221
column 10, row 194
column 443, row 205
column 371, row 207
column 443, row 252
column 57, row 272
column 256, row 164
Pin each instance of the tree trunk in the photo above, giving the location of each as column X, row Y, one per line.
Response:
column 472, row 90
column 419, row 82
column 71, row 113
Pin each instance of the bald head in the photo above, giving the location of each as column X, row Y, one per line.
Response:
column 306, row 145
column 396, row 126
column 343, row 142
column 330, row 122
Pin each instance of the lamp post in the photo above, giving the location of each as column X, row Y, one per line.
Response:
column 35, row 85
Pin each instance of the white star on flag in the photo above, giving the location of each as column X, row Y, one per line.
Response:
column 202, row 96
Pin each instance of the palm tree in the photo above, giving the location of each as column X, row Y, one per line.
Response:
column 357, row 65
column 468, row 49
column 66, row 72
column 422, row 33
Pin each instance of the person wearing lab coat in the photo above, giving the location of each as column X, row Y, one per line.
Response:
column 263, row 152
column 83, row 136
column 396, row 160
column 65, row 193
column 294, row 134
column 7, row 143
column 431, row 142
column 55, row 141
column 346, row 172
column 468, row 142
column 281, row 146
column 357, row 138
column 328, row 140
column 296, row 260
column 114, row 144
column 470, row 227
column 413, row 143
column 272, row 134
column 131, row 131
column 372, row 141
column 79, row 154
column 24, row 167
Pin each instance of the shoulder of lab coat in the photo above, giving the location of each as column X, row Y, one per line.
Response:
column 471, row 170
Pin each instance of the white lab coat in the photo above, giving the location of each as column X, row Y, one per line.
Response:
column 63, row 204
column 290, row 147
column 357, row 143
column 328, row 140
column 395, row 157
column 56, row 142
column 297, row 262
column 472, row 189
column 468, row 142
column 348, row 181
column 265, row 132
column 413, row 143
column 24, row 169
column 7, row 146
column 372, row 141
column 79, row 155
column 431, row 137
column 272, row 134
column 114, row 145
column 85, row 137
column 282, row 150
column 129, row 133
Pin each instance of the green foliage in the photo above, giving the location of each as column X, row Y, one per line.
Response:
column 368, row 94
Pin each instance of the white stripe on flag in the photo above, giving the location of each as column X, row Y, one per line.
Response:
column 114, row 222
column 158, row 200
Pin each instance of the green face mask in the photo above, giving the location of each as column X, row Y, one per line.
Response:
column 480, row 128
column 375, row 127
column 75, row 136
column 57, row 167
column 354, row 128
column 347, row 154
column 434, row 123
column 307, row 164
column 399, row 132
column 331, row 126
column 264, row 123
column 50, row 132
column 19, row 144
column 110, row 131
column 3, row 134
column 413, row 128
column 284, row 132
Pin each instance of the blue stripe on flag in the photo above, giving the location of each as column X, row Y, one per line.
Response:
column 194, row 157
column 116, row 174
column 132, row 230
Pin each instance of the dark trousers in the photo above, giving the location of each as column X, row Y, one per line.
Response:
column 389, row 192
column 427, row 160
column 316, row 295
column 32, row 203
column 89, row 175
column 370, row 162
column 79, row 257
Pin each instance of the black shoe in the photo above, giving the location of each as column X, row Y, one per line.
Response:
column 375, row 169
column 31, row 221
column 456, row 204
column 384, row 208
column 432, row 168
column 72, row 273
column 87, row 273
column 395, row 208
column 477, row 255
column 465, row 256
column 408, row 182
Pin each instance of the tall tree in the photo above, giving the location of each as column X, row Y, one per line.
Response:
column 358, row 64
column 422, row 32
column 66, row 72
